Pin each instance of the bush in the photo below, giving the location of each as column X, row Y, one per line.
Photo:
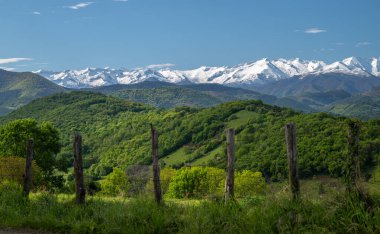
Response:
column 115, row 183
column 248, row 183
column 196, row 182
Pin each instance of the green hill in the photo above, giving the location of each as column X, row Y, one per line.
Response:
column 167, row 95
column 116, row 134
column 363, row 106
column 319, row 100
column 18, row 89
column 317, row 83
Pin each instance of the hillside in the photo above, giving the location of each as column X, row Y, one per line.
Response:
column 17, row 89
column 167, row 95
column 116, row 133
column 320, row 92
column 321, row 99
column 160, row 94
column 317, row 83
column 364, row 106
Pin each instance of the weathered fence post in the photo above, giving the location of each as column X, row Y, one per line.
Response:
column 290, row 136
column 156, row 167
column 28, row 168
column 80, row 190
column 230, row 176
column 353, row 160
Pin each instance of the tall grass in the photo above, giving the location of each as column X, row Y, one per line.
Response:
column 269, row 214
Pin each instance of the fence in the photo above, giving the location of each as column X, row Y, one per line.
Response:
column 146, row 179
column 12, row 169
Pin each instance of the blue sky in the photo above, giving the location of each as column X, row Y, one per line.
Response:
column 67, row 34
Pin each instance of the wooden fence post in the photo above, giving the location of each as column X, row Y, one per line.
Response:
column 353, row 160
column 80, row 190
column 230, row 175
column 290, row 136
column 156, row 167
column 28, row 168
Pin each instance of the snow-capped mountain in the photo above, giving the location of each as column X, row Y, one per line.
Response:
column 254, row 73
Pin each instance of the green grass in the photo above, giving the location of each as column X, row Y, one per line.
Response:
column 211, row 155
column 325, row 209
column 240, row 119
column 373, row 184
column 179, row 156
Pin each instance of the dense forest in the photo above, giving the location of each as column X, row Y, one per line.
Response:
column 116, row 134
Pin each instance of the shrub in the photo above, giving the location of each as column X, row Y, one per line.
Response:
column 196, row 182
column 115, row 183
column 248, row 183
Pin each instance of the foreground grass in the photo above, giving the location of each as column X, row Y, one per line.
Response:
column 270, row 214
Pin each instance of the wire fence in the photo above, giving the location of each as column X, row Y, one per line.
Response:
column 201, row 183
column 13, row 170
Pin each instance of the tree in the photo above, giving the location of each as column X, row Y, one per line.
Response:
column 13, row 138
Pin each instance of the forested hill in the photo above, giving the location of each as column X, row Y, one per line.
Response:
column 364, row 105
column 19, row 88
column 168, row 95
column 116, row 134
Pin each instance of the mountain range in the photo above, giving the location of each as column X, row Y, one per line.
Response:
column 250, row 74
column 349, row 88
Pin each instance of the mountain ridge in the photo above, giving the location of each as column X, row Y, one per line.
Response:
column 255, row 73
column 19, row 88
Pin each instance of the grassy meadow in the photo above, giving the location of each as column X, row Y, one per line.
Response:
column 325, row 207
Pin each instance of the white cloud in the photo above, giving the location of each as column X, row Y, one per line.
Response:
column 339, row 44
column 314, row 30
column 120, row 0
column 157, row 66
column 363, row 43
column 8, row 68
column 80, row 5
column 13, row 60
column 36, row 13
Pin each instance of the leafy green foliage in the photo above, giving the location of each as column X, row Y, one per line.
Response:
column 15, row 134
column 116, row 134
column 195, row 182
column 13, row 138
column 248, row 183
column 200, row 182
column 116, row 183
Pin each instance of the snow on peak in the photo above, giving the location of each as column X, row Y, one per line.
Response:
column 258, row 72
